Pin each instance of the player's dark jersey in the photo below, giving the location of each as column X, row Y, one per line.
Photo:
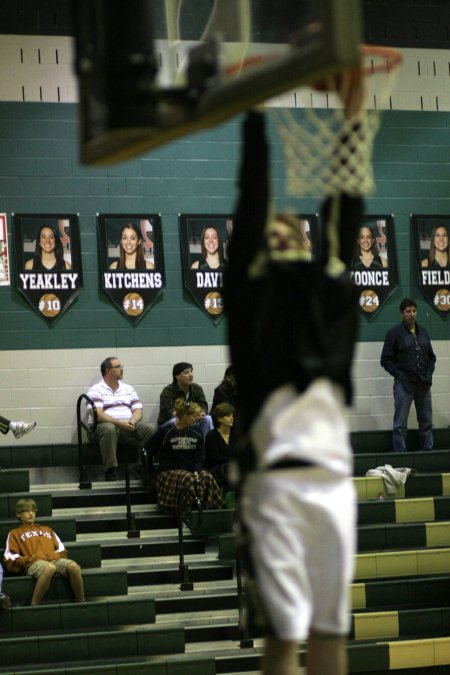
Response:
column 289, row 321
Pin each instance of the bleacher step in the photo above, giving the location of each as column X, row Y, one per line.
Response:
column 73, row 647
column 171, row 575
column 401, row 591
column 118, row 522
column 97, row 583
column 138, row 548
column 100, row 614
column 107, row 496
column 422, row 485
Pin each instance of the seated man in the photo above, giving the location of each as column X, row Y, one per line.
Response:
column 184, row 387
column 119, row 411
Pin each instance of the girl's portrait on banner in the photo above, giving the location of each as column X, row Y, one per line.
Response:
column 4, row 254
column 204, row 239
column 47, row 250
column 432, row 247
column 48, row 261
column 374, row 263
column 208, row 249
column 131, row 260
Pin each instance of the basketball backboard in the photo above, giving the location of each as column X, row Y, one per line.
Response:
column 163, row 69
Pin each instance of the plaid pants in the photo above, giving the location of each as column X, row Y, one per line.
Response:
column 179, row 487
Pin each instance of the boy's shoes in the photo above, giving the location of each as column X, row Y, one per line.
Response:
column 5, row 602
column 111, row 474
column 23, row 428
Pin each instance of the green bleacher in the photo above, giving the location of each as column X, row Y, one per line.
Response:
column 136, row 618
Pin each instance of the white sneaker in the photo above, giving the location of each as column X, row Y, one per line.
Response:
column 23, row 428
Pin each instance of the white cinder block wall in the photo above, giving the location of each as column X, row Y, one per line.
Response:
column 44, row 385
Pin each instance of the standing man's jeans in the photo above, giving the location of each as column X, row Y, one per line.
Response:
column 403, row 398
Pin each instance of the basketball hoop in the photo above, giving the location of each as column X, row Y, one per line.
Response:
column 382, row 59
column 328, row 150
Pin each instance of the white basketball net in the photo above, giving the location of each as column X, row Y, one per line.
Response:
column 326, row 153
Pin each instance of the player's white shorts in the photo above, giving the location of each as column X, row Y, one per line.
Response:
column 302, row 523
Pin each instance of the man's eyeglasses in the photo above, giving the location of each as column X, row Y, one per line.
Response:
column 118, row 366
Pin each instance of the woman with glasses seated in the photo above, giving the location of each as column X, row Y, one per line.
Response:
column 179, row 450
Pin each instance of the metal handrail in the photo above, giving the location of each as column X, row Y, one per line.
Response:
column 84, row 484
column 185, row 581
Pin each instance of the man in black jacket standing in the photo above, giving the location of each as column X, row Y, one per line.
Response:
column 409, row 357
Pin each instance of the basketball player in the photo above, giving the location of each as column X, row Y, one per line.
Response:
column 292, row 328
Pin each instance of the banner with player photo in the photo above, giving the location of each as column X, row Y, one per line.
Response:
column 48, row 261
column 4, row 254
column 204, row 240
column 131, row 261
column 431, row 243
column 374, row 264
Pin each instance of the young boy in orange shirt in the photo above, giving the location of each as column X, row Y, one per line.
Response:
column 36, row 550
